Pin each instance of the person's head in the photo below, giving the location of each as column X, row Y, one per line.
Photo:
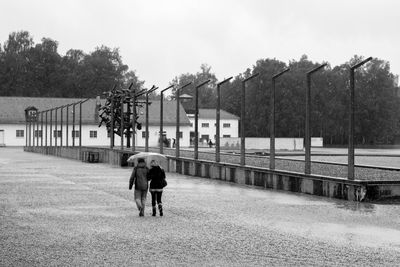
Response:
column 153, row 163
column 140, row 160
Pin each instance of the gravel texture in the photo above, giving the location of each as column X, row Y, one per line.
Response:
column 59, row 212
column 326, row 165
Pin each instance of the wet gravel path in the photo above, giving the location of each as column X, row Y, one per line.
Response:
column 320, row 165
column 58, row 212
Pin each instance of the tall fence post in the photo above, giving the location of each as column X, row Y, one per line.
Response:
column 307, row 141
column 350, row 167
column 177, row 135
column 272, row 133
column 196, row 120
column 217, row 134
column 243, row 119
column 162, row 119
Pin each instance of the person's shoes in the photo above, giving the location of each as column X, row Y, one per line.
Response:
column 160, row 209
column 154, row 211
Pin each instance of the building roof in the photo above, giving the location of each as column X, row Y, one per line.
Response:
column 210, row 113
column 12, row 110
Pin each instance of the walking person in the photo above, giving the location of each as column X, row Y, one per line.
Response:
column 157, row 183
column 139, row 179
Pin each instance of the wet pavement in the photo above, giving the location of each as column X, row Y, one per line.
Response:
column 61, row 212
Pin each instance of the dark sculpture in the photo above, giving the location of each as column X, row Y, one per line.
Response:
column 111, row 113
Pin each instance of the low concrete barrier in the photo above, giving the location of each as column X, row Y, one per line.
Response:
column 333, row 187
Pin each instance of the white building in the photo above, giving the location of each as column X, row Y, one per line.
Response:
column 15, row 132
column 229, row 125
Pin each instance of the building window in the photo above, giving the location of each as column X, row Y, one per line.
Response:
column 226, row 125
column 205, row 125
column 56, row 133
column 226, row 136
column 20, row 133
column 75, row 134
column 191, row 124
column 38, row 133
column 144, row 134
column 180, row 135
column 93, row 134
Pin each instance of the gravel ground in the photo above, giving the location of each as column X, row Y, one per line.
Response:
column 59, row 212
column 296, row 164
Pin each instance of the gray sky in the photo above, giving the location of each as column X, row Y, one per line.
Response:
column 162, row 39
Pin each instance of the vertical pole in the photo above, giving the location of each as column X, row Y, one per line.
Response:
column 122, row 122
column 66, row 130
column 80, row 127
column 73, row 125
column 133, row 120
column 217, row 134
column 161, row 123
column 177, row 125
column 307, row 140
column 147, row 124
column 61, row 126
column 162, row 119
column 41, row 128
column 34, row 130
column 26, row 131
column 196, row 125
column 112, row 123
column 30, row 129
column 51, row 127
column 272, row 127
column 177, row 135
column 350, row 168
column 46, row 128
column 55, row 121
column 242, row 122
column 217, row 145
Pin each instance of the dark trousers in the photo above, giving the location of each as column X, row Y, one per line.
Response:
column 156, row 196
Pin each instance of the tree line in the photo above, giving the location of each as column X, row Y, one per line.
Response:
column 29, row 69
column 377, row 105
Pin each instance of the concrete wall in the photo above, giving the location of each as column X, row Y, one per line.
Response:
column 332, row 187
column 263, row 143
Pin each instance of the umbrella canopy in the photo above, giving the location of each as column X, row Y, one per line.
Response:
column 148, row 157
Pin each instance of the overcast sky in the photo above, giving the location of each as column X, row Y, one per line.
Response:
column 161, row 39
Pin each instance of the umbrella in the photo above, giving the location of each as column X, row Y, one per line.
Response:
column 148, row 157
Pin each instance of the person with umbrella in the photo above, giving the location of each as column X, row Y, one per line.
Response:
column 139, row 178
column 157, row 177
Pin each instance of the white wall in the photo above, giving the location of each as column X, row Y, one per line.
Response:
column 264, row 143
column 10, row 138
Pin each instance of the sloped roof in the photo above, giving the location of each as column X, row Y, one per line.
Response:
column 206, row 113
column 169, row 113
column 12, row 110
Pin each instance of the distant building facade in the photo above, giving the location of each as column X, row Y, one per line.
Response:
column 14, row 131
column 229, row 125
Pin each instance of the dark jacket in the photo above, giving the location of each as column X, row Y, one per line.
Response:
column 139, row 177
column 156, row 175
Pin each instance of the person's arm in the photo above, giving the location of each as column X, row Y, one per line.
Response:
column 132, row 179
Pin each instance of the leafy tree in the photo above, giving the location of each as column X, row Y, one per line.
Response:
column 207, row 92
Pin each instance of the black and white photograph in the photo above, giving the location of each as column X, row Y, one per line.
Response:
column 199, row 133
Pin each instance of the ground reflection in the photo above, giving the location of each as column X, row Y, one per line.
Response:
column 357, row 206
